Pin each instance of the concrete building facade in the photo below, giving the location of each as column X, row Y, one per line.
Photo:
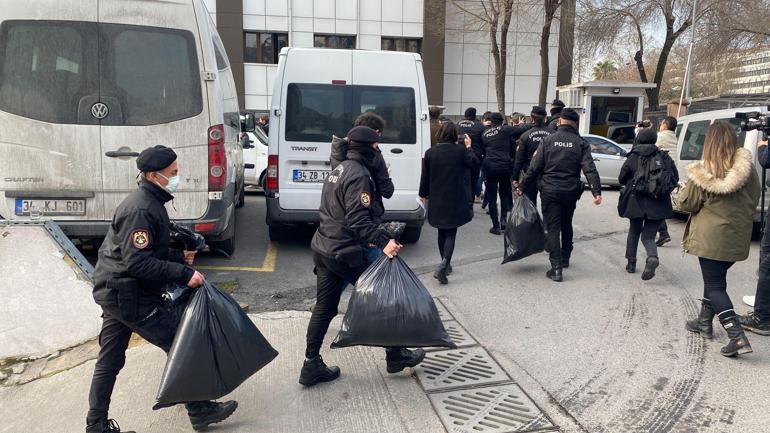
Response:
column 459, row 69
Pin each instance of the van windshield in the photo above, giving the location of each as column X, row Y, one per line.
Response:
column 55, row 71
column 316, row 111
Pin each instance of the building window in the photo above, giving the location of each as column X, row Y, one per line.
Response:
column 334, row 41
column 402, row 44
column 263, row 47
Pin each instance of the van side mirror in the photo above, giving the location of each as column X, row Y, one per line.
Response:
column 248, row 122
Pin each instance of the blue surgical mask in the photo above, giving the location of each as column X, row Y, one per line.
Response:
column 173, row 183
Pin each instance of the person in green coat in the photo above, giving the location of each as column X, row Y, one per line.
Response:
column 721, row 195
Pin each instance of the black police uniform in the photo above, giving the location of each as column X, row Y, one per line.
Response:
column 556, row 167
column 474, row 129
column 134, row 264
column 526, row 147
column 499, row 148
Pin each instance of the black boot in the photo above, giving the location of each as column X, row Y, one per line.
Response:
column 503, row 219
column 495, row 230
column 399, row 359
column 751, row 322
column 203, row 414
column 449, row 270
column 106, row 426
column 663, row 239
column 739, row 344
column 631, row 265
column 315, row 371
column 649, row 268
column 441, row 272
column 554, row 274
column 703, row 324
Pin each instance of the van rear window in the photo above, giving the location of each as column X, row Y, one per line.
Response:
column 316, row 111
column 55, row 71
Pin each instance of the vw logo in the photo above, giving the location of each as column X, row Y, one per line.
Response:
column 100, row 110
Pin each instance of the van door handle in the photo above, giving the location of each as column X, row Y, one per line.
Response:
column 396, row 150
column 119, row 154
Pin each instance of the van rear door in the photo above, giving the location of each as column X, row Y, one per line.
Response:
column 49, row 140
column 151, row 63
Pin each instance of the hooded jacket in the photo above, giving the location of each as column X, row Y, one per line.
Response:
column 667, row 141
column 721, row 210
column 641, row 205
column 384, row 187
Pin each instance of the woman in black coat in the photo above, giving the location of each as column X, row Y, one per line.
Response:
column 645, row 211
column 445, row 180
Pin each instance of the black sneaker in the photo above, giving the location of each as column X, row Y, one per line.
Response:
column 663, row 240
column 449, row 270
column 631, row 266
column 405, row 358
column 211, row 413
column 751, row 322
column 106, row 426
column 649, row 268
column 495, row 230
column 554, row 274
column 315, row 371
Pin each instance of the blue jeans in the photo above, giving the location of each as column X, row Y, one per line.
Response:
column 373, row 254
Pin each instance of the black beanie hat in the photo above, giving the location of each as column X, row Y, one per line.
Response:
column 363, row 134
column 155, row 159
column 647, row 136
column 496, row 117
column 557, row 103
column 470, row 113
column 570, row 114
column 539, row 111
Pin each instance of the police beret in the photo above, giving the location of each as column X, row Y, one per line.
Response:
column 570, row 114
column 647, row 136
column 557, row 103
column 363, row 134
column 470, row 113
column 155, row 159
column 496, row 117
column 539, row 111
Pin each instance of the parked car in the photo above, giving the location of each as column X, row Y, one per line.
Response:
column 83, row 89
column 311, row 104
column 608, row 158
column 255, row 154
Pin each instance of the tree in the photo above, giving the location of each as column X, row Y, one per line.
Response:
column 605, row 70
column 549, row 11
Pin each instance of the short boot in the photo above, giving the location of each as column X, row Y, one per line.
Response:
column 739, row 344
column 399, row 359
column 650, row 265
column 555, row 274
column 442, row 272
column 751, row 322
column 703, row 324
column 663, row 239
column 495, row 230
column 106, row 426
column 315, row 371
column 449, row 270
column 631, row 265
column 203, row 414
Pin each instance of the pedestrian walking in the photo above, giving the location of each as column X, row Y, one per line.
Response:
column 348, row 227
column 667, row 142
column 473, row 128
column 556, row 108
column 721, row 195
column 445, row 185
column 646, row 209
column 264, row 123
column 526, row 147
column 556, row 168
column 134, row 265
column 499, row 152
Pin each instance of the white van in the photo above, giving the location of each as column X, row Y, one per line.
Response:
column 691, row 134
column 255, row 158
column 85, row 85
column 320, row 92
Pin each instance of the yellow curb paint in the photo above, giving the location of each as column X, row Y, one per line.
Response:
column 268, row 265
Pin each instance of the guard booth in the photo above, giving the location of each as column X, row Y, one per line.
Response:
column 608, row 108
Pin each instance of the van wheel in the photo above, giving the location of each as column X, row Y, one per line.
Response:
column 411, row 235
column 277, row 233
column 227, row 245
column 241, row 200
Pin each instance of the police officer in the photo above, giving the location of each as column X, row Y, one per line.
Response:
column 134, row 264
column 556, row 167
column 556, row 108
column 499, row 146
column 348, row 226
column 473, row 128
column 527, row 144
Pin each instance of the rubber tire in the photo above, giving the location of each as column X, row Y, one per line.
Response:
column 241, row 199
column 277, row 233
column 227, row 245
column 411, row 235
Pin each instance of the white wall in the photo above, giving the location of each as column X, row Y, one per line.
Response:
column 469, row 67
column 368, row 20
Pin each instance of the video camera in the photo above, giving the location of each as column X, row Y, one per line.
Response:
column 754, row 120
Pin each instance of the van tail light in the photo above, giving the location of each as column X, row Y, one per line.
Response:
column 205, row 227
column 272, row 172
column 217, row 158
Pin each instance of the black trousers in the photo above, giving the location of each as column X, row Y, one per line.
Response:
column 498, row 184
column 155, row 323
column 646, row 229
column 446, row 243
column 331, row 279
column 762, row 298
column 715, row 286
column 558, row 210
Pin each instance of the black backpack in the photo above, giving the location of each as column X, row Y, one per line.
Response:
column 654, row 177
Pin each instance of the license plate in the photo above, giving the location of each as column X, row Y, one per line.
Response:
column 312, row 176
column 28, row 207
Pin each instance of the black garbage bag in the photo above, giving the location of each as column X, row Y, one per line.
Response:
column 215, row 349
column 524, row 234
column 391, row 308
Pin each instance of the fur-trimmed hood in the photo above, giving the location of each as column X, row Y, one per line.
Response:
column 734, row 180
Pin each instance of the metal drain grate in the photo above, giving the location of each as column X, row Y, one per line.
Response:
column 459, row 368
column 442, row 311
column 459, row 335
column 495, row 409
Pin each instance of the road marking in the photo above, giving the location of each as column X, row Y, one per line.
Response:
column 268, row 265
